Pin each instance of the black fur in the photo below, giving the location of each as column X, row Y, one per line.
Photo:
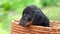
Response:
column 34, row 14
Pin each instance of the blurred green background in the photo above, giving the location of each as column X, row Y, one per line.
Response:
column 12, row 9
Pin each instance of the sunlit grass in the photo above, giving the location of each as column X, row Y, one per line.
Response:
column 52, row 13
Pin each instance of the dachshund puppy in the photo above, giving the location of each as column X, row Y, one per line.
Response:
column 34, row 16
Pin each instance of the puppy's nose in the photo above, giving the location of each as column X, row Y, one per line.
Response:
column 24, row 20
column 26, row 24
column 22, row 23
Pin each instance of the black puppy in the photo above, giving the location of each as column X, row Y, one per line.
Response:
column 34, row 14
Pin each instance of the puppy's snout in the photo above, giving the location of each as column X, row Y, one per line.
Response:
column 24, row 21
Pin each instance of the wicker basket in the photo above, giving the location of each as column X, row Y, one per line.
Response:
column 17, row 29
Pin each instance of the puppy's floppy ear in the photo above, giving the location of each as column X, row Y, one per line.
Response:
column 36, row 18
column 40, row 19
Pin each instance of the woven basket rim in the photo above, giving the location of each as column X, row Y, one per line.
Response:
column 53, row 22
column 16, row 28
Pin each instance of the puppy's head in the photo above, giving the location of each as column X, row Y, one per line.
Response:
column 27, row 15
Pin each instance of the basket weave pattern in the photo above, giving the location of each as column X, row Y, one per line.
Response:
column 18, row 29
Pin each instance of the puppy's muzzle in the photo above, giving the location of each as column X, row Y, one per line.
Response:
column 25, row 20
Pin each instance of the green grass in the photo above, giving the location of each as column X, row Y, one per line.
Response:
column 53, row 13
